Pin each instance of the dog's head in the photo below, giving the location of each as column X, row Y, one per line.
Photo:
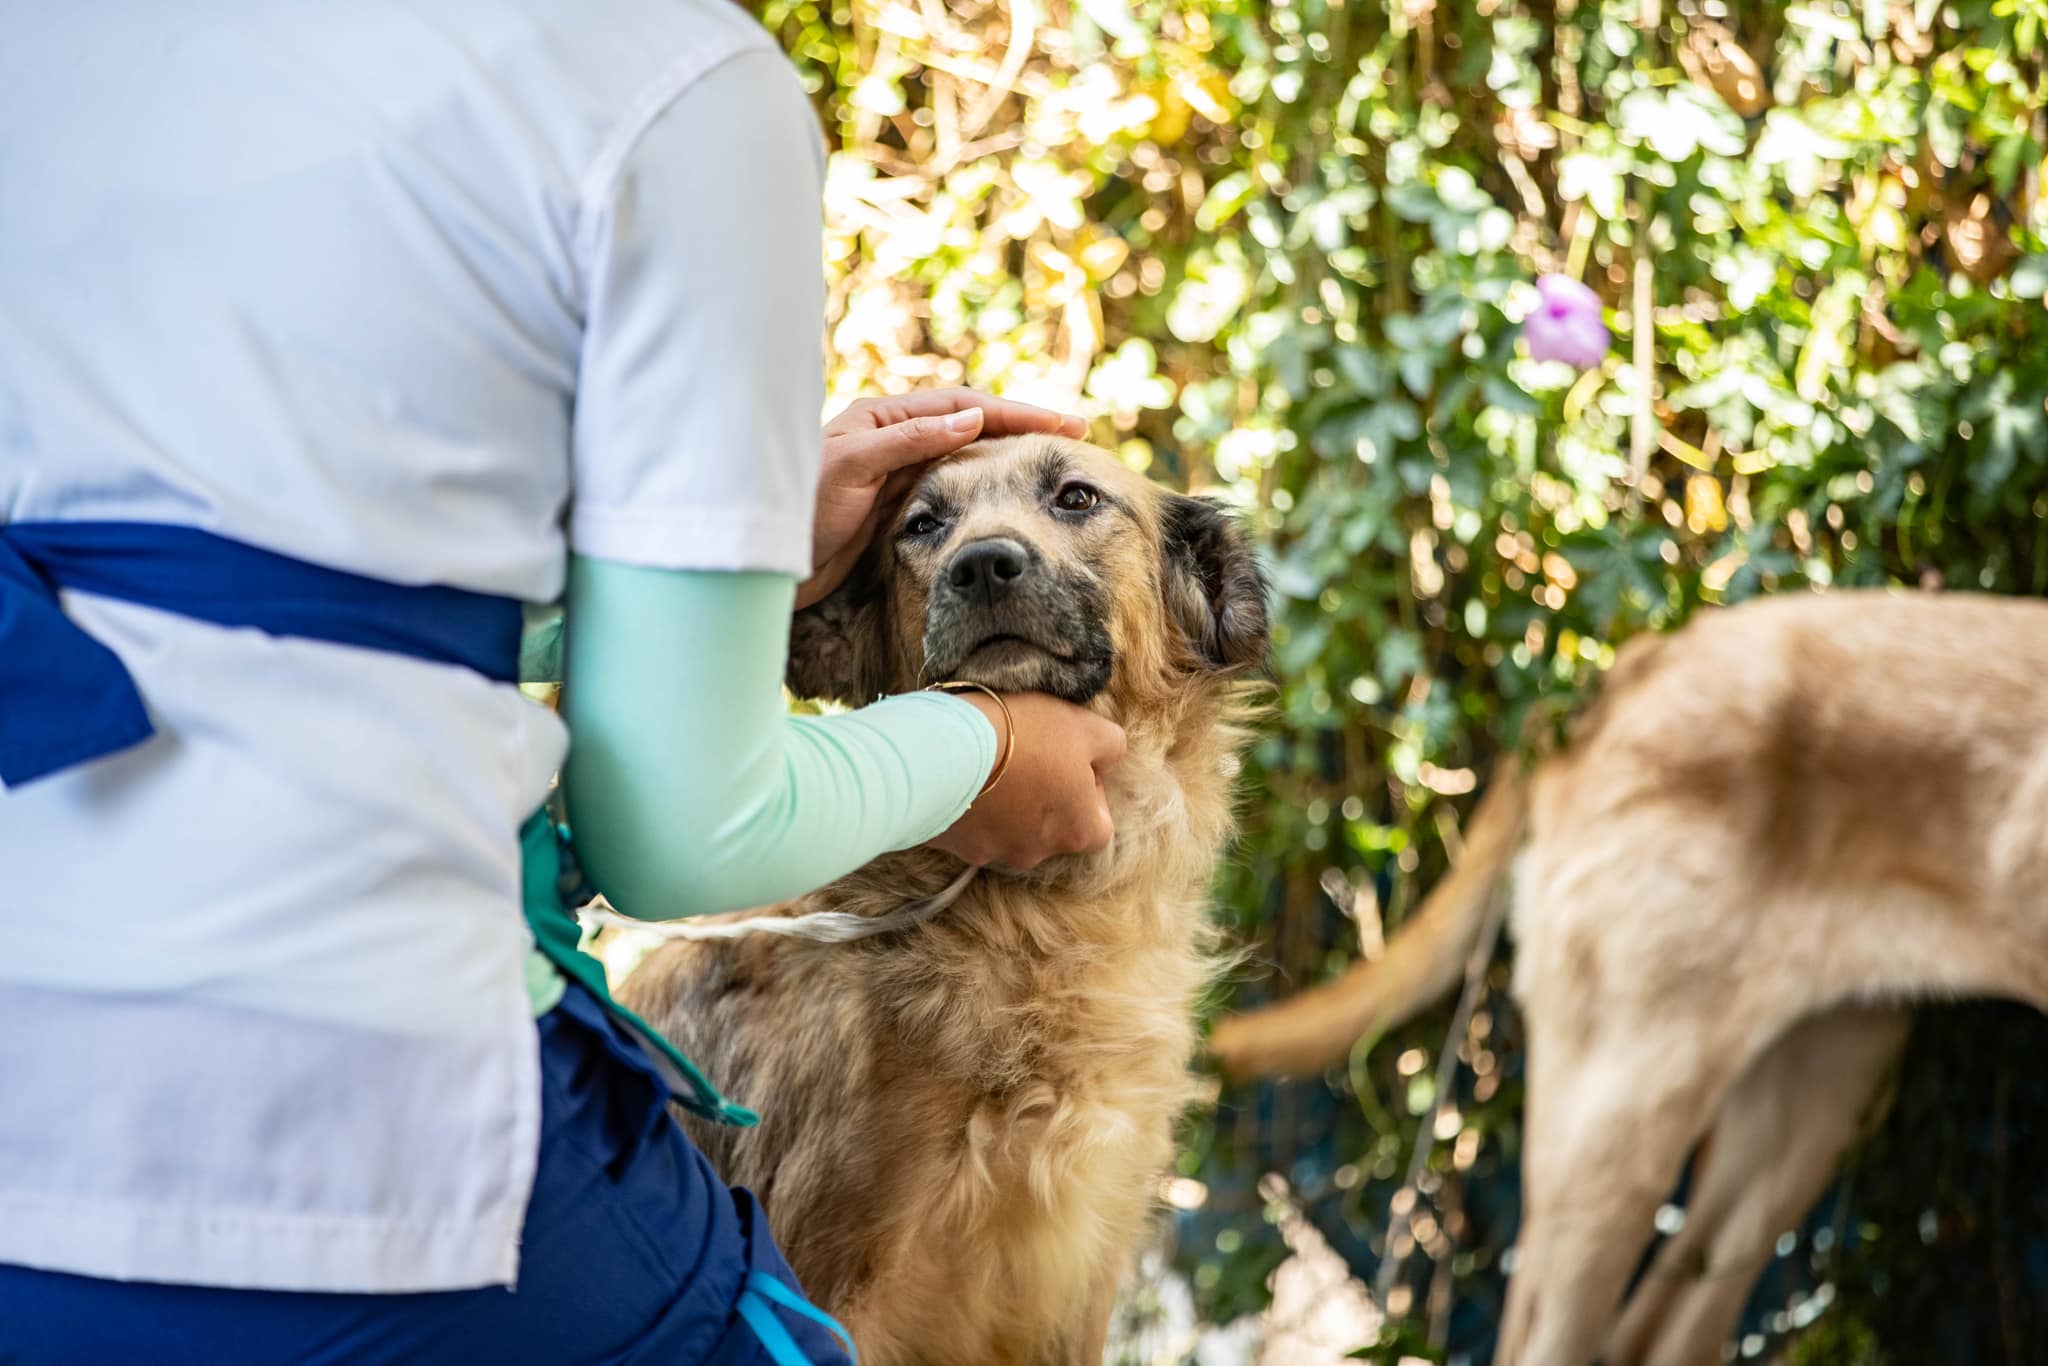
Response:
column 1039, row 564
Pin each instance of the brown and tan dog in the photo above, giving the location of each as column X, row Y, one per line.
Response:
column 965, row 1124
column 1773, row 830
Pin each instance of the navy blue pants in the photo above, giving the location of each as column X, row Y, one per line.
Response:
column 634, row 1251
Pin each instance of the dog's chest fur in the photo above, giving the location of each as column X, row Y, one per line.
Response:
column 965, row 1124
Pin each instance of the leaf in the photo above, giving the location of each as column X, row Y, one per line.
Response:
column 1595, row 179
column 1705, row 511
column 2010, row 430
column 1215, row 289
column 1414, row 202
column 1681, row 120
column 1303, row 645
column 1460, row 192
column 1791, row 145
column 1620, row 577
column 1368, row 432
column 1114, row 18
column 1827, row 342
column 2010, row 153
column 1364, row 369
column 2030, row 277
column 1503, row 396
column 1418, row 372
column 1292, row 578
column 1398, row 659
column 1225, row 199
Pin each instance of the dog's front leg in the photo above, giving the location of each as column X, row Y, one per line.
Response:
column 1084, row 1341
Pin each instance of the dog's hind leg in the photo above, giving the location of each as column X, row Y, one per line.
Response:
column 1773, row 1148
column 1612, row 1112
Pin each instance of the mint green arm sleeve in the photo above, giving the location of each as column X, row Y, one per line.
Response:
column 690, row 787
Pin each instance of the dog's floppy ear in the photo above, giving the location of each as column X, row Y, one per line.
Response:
column 838, row 646
column 1215, row 591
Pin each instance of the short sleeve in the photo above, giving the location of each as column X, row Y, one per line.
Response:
column 701, row 377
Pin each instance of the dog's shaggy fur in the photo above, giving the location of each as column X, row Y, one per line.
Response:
column 1773, row 830
column 965, row 1124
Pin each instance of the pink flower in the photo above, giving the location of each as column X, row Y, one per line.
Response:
column 1566, row 325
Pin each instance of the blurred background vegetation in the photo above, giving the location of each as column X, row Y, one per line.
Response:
column 1279, row 250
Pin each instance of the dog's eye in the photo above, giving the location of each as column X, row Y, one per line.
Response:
column 1076, row 498
column 923, row 524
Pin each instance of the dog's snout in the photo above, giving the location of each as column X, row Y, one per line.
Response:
column 986, row 570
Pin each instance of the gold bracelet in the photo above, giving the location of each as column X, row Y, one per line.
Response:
column 1009, row 728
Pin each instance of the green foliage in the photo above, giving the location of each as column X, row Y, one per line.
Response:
column 1281, row 251
column 1837, row 1342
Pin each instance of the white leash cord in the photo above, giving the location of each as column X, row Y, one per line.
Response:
column 820, row 927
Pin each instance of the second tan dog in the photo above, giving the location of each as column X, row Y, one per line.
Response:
column 965, row 1123
column 1773, row 830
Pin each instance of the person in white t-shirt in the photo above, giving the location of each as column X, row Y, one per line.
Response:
column 329, row 333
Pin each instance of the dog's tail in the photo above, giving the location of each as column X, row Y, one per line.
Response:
column 1426, row 958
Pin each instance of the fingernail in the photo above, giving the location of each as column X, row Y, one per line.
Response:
column 966, row 420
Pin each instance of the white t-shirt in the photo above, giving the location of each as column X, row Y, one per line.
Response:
column 429, row 290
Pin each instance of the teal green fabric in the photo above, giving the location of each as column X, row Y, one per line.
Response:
column 559, row 938
column 540, row 644
column 691, row 788
column 544, row 982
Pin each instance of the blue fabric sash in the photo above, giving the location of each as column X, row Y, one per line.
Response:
column 65, row 698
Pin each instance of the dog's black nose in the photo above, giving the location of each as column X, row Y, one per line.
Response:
column 986, row 569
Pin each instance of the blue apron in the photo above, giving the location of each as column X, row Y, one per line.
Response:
column 66, row 699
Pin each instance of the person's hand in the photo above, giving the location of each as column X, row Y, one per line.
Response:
column 878, row 445
column 1050, row 799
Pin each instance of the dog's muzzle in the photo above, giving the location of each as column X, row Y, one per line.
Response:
column 1000, row 616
